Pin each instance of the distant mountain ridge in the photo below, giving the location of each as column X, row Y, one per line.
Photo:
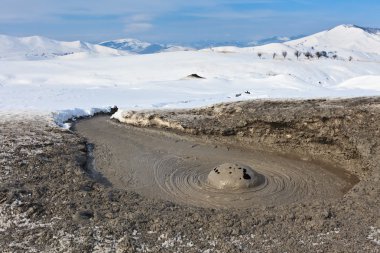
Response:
column 38, row 48
column 342, row 41
column 275, row 39
column 141, row 47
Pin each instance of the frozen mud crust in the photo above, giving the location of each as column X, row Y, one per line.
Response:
column 51, row 202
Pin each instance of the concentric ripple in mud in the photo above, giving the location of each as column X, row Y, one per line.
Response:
column 170, row 167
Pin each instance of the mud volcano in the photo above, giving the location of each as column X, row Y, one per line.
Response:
column 163, row 165
column 305, row 203
column 233, row 176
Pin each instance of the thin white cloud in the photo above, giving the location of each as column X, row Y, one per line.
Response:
column 40, row 9
column 255, row 14
column 140, row 17
column 138, row 23
column 27, row 9
column 134, row 28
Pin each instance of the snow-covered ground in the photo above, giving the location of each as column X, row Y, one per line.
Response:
column 81, row 84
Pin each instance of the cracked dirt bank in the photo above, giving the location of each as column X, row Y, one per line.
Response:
column 49, row 203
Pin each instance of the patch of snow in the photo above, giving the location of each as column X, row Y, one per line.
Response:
column 11, row 219
column 60, row 117
column 374, row 235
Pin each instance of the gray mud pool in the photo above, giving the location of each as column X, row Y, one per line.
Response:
column 177, row 168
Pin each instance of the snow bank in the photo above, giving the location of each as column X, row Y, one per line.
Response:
column 61, row 117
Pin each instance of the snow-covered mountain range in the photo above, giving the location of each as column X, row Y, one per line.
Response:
column 37, row 48
column 141, row 47
column 341, row 42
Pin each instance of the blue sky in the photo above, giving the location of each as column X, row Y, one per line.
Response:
column 181, row 21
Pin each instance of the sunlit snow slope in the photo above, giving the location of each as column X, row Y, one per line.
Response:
column 38, row 48
column 344, row 41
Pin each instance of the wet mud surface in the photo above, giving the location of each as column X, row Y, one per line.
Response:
column 172, row 167
column 51, row 199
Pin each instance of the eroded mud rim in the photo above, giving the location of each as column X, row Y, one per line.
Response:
column 171, row 167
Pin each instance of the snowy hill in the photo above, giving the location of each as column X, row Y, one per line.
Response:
column 342, row 42
column 140, row 47
column 37, row 48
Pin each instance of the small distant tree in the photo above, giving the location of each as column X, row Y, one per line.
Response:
column 308, row 55
column 284, row 54
column 274, row 55
column 297, row 54
column 334, row 56
column 259, row 54
column 350, row 58
column 320, row 54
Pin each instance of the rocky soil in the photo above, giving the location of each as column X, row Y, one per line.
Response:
column 51, row 202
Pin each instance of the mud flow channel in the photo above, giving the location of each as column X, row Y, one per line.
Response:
column 158, row 164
